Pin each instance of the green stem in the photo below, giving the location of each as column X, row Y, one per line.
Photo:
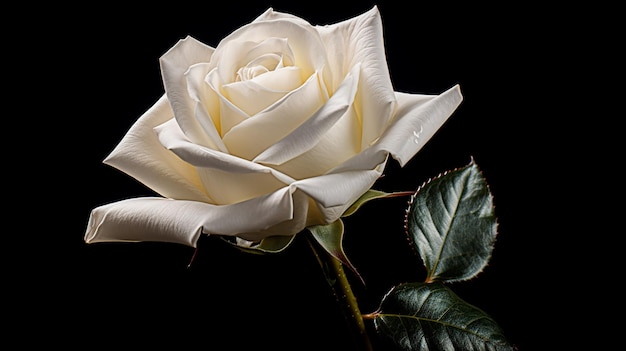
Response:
column 337, row 279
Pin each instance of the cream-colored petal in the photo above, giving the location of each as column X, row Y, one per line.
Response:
column 257, row 133
column 336, row 189
column 146, row 219
column 270, row 15
column 366, row 159
column 206, row 108
column 230, row 56
column 174, row 65
column 335, row 192
column 179, row 221
column 229, row 114
column 172, row 138
column 250, row 96
column 240, row 60
column 417, row 120
column 141, row 155
column 308, row 50
column 284, row 79
column 359, row 40
column 309, row 133
column 327, row 77
column 305, row 213
column 227, row 188
column 338, row 144
column 226, row 178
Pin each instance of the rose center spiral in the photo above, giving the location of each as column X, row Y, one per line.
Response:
column 262, row 64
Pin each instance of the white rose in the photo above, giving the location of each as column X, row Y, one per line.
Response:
column 282, row 126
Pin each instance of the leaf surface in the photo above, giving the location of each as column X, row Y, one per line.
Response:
column 452, row 225
column 431, row 317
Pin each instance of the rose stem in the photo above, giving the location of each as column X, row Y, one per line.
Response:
column 337, row 279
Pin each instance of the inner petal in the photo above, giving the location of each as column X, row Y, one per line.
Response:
column 207, row 104
column 253, row 95
column 229, row 188
column 229, row 114
column 267, row 53
column 256, row 134
column 341, row 142
column 256, row 67
column 305, row 48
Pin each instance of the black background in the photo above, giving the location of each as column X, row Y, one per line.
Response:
column 105, row 62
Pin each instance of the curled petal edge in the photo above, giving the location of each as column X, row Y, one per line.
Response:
column 419, row 118
column 183, row 221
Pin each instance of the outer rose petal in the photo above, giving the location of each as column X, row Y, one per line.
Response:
column 418, row 118
column 180, row 221
column 359, row 40
column 171, row 137
column 335, row 192
column 239, row 179
column 174, row 66
column 270, row 14
column 207, row 111
column 141, row 155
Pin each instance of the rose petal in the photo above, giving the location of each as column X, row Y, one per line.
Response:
column 172, row 138
column 206, row 109
column 254, row 95
column 228, row 188
column 239, row 179
column 308, row 134
column 179, row 221
column 146, row 219
column 418, row 118
column 255, row 134
column 236, row 55
column 304, row 214
column 335, row 192
column 360, row 40
column 141, row 155
column 270, row 15
column 364, row 45
column 174, row 65
column 230, row 115
column 284, row 79
column 337, row 145
column 308, row 50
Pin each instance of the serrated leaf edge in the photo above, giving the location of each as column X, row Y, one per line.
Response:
column 412, row 243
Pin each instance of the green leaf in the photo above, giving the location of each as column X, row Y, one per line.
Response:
column 371, row 195
column 431, row 317
column 451, row 222
column 330, row 238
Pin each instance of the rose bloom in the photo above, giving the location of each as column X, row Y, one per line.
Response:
column 280, row 127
